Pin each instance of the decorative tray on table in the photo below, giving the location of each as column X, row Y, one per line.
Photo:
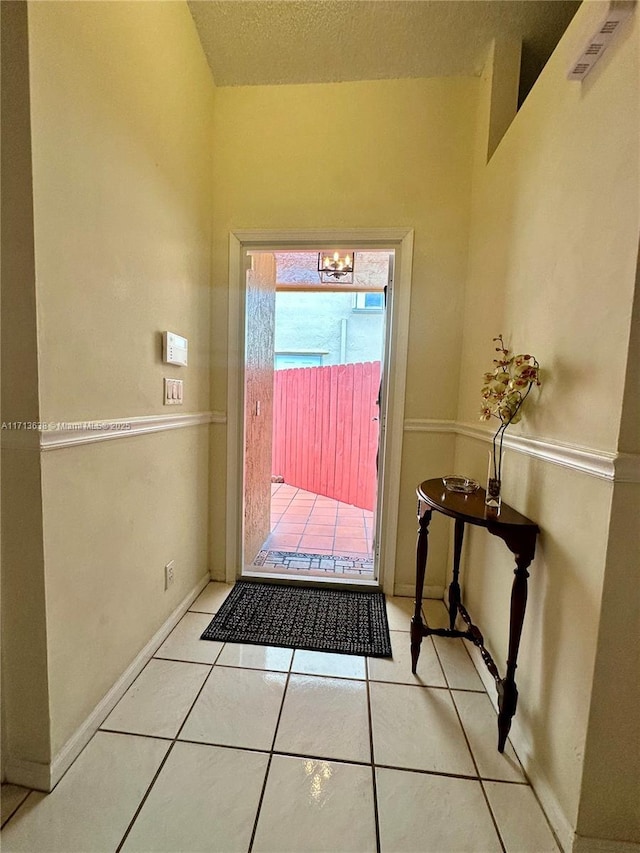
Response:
column 458, row 483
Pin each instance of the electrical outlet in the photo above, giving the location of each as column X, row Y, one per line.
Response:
column 168, row 574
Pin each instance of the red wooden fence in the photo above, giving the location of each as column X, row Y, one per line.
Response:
column 325, row 438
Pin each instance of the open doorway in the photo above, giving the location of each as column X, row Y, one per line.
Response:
column 392, row 423
column 314, row 387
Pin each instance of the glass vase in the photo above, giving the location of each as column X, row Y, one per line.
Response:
column 493, row 497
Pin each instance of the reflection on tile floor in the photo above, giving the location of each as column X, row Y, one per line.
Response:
column 254, row 748
column 306, row 527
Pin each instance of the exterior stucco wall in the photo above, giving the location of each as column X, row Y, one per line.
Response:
column 318, row 321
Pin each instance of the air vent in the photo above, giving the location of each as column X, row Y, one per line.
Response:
column 601, row 39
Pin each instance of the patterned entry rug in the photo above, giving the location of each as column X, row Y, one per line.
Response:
column 324, row 620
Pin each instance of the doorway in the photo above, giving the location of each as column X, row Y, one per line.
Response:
column 248, row 254
column 317, row 414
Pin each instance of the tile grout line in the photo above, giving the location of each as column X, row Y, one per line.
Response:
column 526, row 782
column 493, row 817
column 351, row 761
column 333, row 535
column 144, row 797
column 138, row 734
column 229, row 665
column 544, row 814
column 167, row 754
column 376, row 815
column 273, row 751
column 473, row 758
column 483, row 692
column 262, row 793
column 270, row 760
column 421, row 772
column 18, row 806
column 99, row 729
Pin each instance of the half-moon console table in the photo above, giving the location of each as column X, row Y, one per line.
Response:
column 519, row 534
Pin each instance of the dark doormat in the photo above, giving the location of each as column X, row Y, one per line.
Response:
column 323, row 620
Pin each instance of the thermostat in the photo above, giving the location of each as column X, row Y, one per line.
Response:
column 174, row 349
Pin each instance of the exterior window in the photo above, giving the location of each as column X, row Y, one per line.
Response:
column 368, row 302
column 286, row 360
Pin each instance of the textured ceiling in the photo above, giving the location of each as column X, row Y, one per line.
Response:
column 267, row 42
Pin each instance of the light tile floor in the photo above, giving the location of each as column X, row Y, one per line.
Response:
column 249, row 748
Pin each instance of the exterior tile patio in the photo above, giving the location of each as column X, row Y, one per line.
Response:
column 312, row 526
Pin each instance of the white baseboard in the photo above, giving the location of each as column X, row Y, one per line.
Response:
column 44, row 777
column 524, row 750
column 29, row 774
column 544, row 790
column 220, row 576
column 583, row 844
column 408, row 590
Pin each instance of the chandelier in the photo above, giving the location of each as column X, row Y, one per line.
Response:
column 334, row 266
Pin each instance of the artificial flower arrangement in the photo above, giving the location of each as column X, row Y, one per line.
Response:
column 506, row 388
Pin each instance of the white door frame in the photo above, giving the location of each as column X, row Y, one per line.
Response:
column 401, row 241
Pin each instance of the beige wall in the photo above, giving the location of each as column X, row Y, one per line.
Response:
column 25, row 691
column 555, row 243
column 611, row 775
column 121, row 107
column 612, row 750
column 552, row 265
column 121, row 160
column 501, row 78
column 375, row 154
column 106, row 544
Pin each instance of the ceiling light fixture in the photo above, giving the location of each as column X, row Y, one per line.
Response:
column 334, row 266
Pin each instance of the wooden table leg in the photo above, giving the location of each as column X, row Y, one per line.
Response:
column 422, row 550
column 454, row 586
column 508, row 694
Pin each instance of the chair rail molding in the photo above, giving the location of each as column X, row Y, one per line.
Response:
column 606, row 465
column 57, row 435
column 429, row 425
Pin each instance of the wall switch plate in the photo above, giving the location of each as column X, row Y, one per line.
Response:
column 168, row 574
column 173, row 392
